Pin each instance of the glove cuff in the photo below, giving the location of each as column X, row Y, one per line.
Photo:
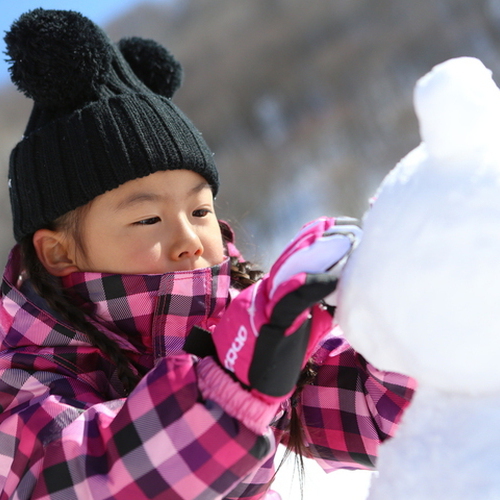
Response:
column 218, row 386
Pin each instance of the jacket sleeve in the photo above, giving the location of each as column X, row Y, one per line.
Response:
column 350, row 408
column 166, row 440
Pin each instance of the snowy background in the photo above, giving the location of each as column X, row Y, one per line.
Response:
column 341, row 485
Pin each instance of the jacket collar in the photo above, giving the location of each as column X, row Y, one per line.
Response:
column 145, row 313
column 156, row 310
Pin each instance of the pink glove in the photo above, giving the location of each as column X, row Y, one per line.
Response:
column 265, row 337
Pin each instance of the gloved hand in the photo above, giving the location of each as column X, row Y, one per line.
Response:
column 271, row 328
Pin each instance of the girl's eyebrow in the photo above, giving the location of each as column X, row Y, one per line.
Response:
column 148, row 196
column 200, row 187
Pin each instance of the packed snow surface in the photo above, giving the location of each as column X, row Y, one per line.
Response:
column 421, row 293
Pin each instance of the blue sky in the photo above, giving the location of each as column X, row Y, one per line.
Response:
column 100, row 11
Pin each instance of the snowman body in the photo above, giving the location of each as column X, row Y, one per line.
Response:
column 446, row 449
column 421, row 293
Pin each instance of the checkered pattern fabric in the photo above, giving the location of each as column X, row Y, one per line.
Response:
column 67, row 432
column 138, row 307
column 345, row 425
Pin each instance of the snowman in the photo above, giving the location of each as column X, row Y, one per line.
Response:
column 421, row 293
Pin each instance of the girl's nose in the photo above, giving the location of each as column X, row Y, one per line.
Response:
column 186, row 243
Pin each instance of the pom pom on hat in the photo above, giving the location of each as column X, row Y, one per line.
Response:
column 102, row 116
column 152, row 64
column 59, row 58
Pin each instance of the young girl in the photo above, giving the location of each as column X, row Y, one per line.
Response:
column 140, row 356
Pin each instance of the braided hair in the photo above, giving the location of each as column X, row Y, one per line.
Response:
column 49, row 287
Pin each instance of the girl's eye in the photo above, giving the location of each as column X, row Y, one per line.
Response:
column 147, row 222
column 201, row 212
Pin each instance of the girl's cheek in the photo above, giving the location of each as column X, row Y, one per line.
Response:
column 151, row 254
column 217, row 253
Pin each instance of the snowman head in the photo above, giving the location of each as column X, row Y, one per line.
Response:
column 421, row 293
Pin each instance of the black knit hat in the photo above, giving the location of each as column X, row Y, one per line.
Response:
column 102, row 116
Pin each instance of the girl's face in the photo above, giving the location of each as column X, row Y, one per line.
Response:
column 156, row 224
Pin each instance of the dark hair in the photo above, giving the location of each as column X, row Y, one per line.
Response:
column 48, row 287
column 243, row 274
column 293, row 425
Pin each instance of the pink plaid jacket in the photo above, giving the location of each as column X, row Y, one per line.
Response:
column 67, row 431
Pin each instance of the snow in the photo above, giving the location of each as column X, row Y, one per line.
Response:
column 341, row 484
column 449, row 102
column 447, row 448
column 421, row 293
column 426, row 272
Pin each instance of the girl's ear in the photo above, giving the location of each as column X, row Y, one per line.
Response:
column 55, row 251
